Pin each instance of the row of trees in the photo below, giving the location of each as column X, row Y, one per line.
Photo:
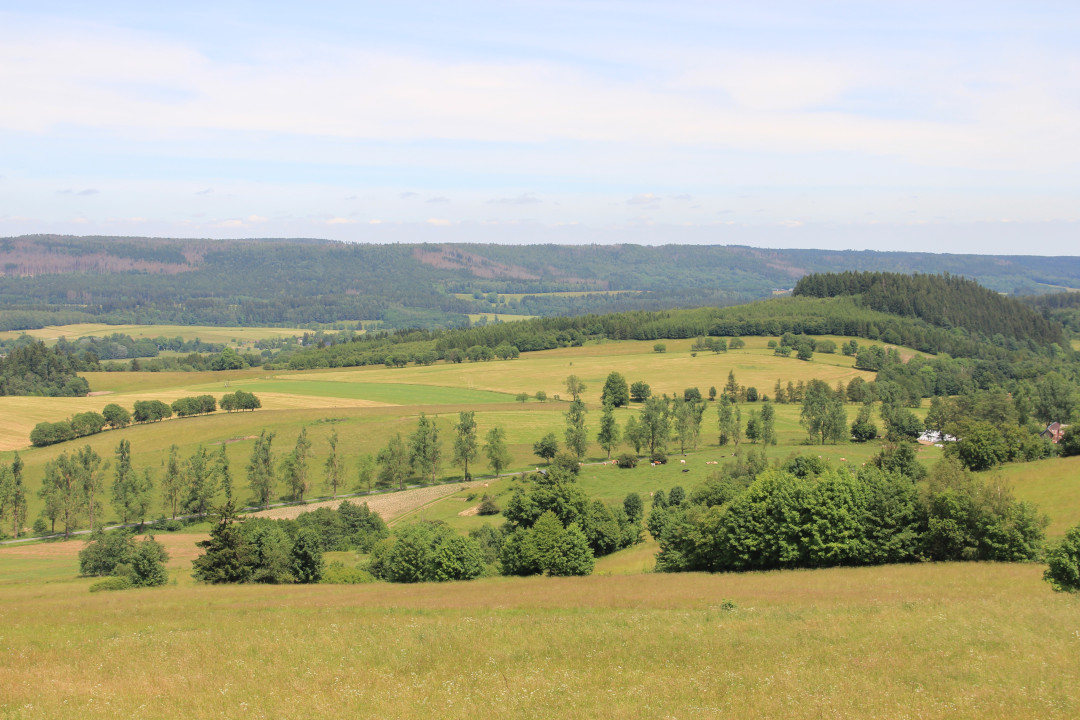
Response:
column 145, row 411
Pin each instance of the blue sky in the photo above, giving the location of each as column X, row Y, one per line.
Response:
column 884, row 125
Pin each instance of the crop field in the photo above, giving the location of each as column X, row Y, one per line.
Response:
column 916, row 641
column 206, row 333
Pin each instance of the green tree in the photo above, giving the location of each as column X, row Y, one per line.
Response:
column 227, row 556
column 13, row 495
column 541, row 396
column 863, row 429
column 260, row 470
column 546, row 447
column 426, row 448
column 148, row 560
column 395, row 462
column 221, row 469
column 365, row 472
column 574, row 386
column 687, row 416
column 125, row 483
column 333, row 465
column 608, row 436
column 116, row 416
column 753, row 428
column 731, row 387
column 172, row 484
column 522, row 397
column 466, row 443
column 640, row 391
column 768, row 424
column 632, row 434
column 91, row 476
column 577, row 438
column 495, row 449
column 62, row 492
column 655, row 424
column 822, row 414
column 725, row 420
column 616, row 391
column 200, row 478
column 1063, row 560
column 307, row 556
column 980, row 446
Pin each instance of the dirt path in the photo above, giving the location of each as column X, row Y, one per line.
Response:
column 389, row 505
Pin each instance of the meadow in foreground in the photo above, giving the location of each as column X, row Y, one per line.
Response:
column 916, row 641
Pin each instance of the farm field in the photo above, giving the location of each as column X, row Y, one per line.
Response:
column 966, row 640
column 206, row 333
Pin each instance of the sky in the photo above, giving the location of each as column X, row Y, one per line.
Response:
column 936, row 126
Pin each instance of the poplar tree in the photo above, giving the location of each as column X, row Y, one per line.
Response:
column 496, row 451
column 172, row 483
column 260, row 475
column 577, row 438
column 466, row 443
column 333, row 466
column 608, row 436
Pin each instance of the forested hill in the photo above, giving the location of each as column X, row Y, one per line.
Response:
column 941, row 300
column 47, row 280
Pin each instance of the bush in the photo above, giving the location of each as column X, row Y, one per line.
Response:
column 659, row 347
column 627, row 461
column 41, row 527
column 659, row 457
column 119, row 582
column 1063, row 572
column 488, row 506
column 336, row 573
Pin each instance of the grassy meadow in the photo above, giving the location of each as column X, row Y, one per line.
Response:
column 915, row 641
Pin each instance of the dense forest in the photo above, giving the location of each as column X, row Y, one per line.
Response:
column 50, row 280
column 38, row 370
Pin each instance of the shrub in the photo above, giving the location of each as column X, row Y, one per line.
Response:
column 488, row 506
column 659, row 347
column 337, row 573
column 659, row 456
column 1063, row 572
column 120, row 582
column 627, row 461
column 41, row 527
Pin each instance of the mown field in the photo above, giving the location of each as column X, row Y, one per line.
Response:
column 207, row 333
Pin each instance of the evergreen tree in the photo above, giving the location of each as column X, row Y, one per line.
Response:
column 228, row 557
column 616, row 391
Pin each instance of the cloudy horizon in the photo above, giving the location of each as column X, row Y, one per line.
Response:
column 886, row 126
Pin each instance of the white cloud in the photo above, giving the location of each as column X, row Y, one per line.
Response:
column 340, row 221
column 644, row 199
column 523, row 199
column 439, row 222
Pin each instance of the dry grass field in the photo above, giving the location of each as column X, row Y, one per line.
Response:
column 919, row 641
column 206, row 333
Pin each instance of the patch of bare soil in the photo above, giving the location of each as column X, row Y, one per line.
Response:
column 388, row 505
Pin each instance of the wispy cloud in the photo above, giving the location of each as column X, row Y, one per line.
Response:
column 523, row 199
column 439, row 199
column 644, row 199
column 84, row 193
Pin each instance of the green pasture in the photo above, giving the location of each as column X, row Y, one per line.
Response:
column 389, row 393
